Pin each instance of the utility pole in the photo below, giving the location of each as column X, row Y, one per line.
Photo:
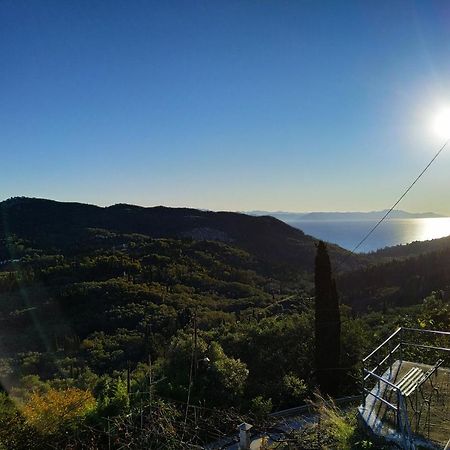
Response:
column 195, row 344
column 150, row 376
column 109, row 435
column 128, row 380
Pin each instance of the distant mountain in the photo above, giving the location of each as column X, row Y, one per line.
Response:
column 290, row 217
column 281, row 215
column 59, row 225
column 372, row 215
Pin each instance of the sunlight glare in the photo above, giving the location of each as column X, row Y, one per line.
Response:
column 441, row 123
column 432, row 228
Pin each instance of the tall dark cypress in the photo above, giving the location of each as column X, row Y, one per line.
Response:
column 327, row 324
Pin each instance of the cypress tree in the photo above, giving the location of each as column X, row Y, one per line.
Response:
column 327, row 324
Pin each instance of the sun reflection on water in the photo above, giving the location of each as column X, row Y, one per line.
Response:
column 432, row 228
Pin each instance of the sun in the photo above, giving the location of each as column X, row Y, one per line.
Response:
column 441, row 123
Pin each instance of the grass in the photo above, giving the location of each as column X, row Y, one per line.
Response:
column 335, row 429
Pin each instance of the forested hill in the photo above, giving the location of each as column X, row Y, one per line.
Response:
column 413, row 249
column 90, row 292
column 399, row 276
column 400, row 281
column 217, row 308
column 67, row 226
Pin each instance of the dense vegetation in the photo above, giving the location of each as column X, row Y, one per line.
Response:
column 162, row 328
column 401, row 281
column 327, row 324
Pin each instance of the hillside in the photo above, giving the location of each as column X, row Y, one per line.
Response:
column 277, row 250
column 413, row 249
column 65, row 226
column 103, row 300
column 89, row 293
column 399, row 281
column 69, row 271
column 399, row 276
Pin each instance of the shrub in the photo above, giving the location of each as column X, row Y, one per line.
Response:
column 54, row 410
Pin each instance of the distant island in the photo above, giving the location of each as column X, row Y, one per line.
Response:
column 372, row 215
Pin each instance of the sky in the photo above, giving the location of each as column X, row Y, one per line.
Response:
column 225, row 105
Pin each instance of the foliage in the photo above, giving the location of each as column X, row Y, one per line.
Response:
column 435, row 313
column 228, row 375
column 327, row 324
column 55, row 410
column 295, row 389
column 334, row 425
column 15, row 433
column 260, row 406
column 160, row 316
column 394, row 282
column 112, row 397
column 331, row 428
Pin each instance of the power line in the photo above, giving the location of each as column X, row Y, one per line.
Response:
column 399, row 200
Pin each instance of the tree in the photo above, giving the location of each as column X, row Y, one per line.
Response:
column 327, row 324
column 54, row 411
column 226, row 376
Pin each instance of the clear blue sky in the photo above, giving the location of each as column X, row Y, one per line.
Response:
column 237, row 105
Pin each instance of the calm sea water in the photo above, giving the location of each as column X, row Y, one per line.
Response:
column 391, row 232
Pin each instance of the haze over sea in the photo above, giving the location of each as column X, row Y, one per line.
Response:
column 348, row 233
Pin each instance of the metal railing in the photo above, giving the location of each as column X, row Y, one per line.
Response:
column 396, row 344
column 403, row 342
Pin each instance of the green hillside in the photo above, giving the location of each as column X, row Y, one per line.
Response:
column 217, row 309
column 67, row 227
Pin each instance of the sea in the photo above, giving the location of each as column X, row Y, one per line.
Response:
column 348, row 233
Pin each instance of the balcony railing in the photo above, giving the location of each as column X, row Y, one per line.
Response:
column 405, row 344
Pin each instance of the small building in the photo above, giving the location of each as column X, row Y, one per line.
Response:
column 406, row 390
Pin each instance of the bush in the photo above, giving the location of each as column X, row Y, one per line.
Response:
column 260, row 406
column 55, row 410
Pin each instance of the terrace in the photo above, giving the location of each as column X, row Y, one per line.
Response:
column 406, row 390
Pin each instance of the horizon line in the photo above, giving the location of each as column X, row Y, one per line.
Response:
column 254, row 211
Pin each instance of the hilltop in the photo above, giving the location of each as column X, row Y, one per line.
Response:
column 400, row 275
column 64, row 226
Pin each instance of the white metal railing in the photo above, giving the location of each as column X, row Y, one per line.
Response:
column 382, row 358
